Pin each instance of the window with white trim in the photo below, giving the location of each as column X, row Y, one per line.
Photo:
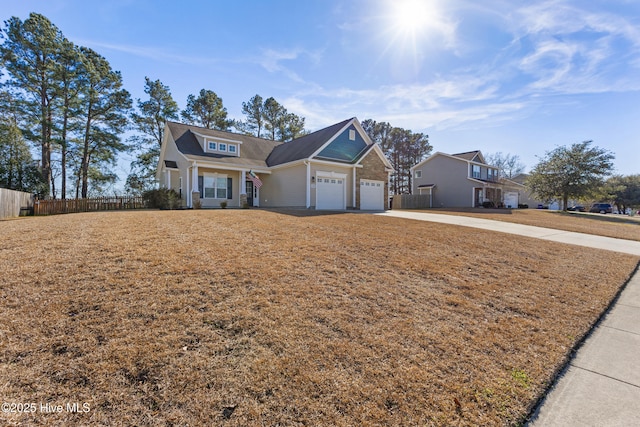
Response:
column 352, row 135
column 215, row 186
column 222, row 147
column 418, row 173
column 475, row 171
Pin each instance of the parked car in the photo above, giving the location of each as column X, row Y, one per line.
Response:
column 603, row 208
column 577, row 208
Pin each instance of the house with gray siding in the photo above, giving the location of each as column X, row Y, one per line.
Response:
column 457, row 180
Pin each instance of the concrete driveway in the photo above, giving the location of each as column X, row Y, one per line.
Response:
column 588, row 240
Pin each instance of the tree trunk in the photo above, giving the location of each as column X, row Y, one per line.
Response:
column 63, row 149
column 45, row 145
column 85, row 161
column 85, row 153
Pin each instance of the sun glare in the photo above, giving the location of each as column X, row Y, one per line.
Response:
column 410, row 15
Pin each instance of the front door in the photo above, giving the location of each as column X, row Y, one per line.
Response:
column 478, row 197
column 249, row 187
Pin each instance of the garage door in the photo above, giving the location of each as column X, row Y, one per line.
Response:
column 371, row 195
column 511, row 199
column 330, row 193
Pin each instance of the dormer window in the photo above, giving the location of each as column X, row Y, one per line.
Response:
column 352, row 135
column 229, row 147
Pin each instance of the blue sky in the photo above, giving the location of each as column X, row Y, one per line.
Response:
column 519, row 77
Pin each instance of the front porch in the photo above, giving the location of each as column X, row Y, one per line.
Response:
column 210, row 187
column 487, row 195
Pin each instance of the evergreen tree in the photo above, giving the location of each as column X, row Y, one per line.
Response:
column 402, row 147
column 18, row 170
column 150, row 121
column 253, row 111
column 272, row 113
column 206, row 110
column 30, row 53
column 106, row 105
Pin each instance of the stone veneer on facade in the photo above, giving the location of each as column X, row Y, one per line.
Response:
column 373, row 169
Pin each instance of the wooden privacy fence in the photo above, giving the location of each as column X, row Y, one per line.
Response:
column 59, row 206
column 411, row 201
column 13, row 203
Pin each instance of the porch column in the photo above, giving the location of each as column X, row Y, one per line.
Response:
column 168, row 175
column 353, row 194
column 243, row 188
column 188, row 191
column 308, row 201
column 195, row 191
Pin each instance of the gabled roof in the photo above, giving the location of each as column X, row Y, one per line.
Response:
column 303, row 147
column 469, row 157
column 520, row 178
column 331, row 143
column 253, row 150
column 472, row 156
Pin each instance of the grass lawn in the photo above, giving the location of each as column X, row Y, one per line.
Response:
column 618, row 226
column 249, row 318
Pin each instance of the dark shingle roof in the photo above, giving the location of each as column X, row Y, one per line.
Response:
column 469, row 155
column 252, row 148
column 303, row 147
column 253, row 151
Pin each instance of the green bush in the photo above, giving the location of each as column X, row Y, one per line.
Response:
column 161, row 198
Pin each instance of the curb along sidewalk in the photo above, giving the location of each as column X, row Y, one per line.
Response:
column 601, row 384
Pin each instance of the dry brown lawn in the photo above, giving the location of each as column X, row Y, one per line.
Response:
column 618, row 226
column 250, row 318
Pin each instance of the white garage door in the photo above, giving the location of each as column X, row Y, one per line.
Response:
column 330, row 193
column 511, row 199
column 371, row 195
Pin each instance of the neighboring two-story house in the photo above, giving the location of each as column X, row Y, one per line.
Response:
column 457, row 180
column 334, row 168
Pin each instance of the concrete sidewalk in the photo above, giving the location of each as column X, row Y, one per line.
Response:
column 601, row 385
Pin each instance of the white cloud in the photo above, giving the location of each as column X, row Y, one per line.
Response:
column 154, row 53
column 574, row 49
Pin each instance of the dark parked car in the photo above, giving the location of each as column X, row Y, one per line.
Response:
column 603, row 208
column 577, row 208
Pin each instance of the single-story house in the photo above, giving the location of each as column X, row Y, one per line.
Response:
column 457, row 180
column 334, row 168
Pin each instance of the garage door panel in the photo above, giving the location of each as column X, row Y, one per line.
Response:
column 330, row 193
column 371, row 195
